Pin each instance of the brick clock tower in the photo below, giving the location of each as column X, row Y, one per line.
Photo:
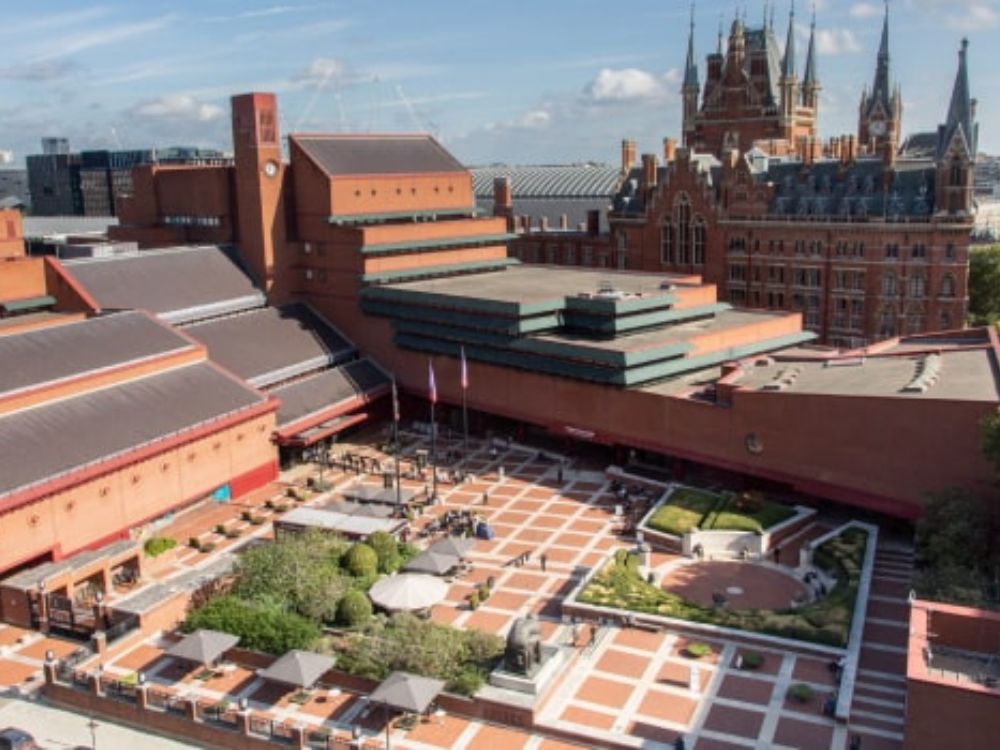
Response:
column 259, row 176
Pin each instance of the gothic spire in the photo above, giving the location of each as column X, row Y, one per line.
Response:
column 882, row 89
column 810, row 79
column 788, row 66
column 718, row 46
column 960, row 110
column 691, row 68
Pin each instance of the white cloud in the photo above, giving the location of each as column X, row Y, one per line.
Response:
column 178, row 107
column 81, row 41
column 836, row 42
column 866, row 10
column 964, row 15
column 625, row 85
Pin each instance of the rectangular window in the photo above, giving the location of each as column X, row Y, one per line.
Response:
column 737, row 273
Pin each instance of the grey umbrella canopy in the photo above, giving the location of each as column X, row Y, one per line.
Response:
column 407, row 692
column 408, row 592
column 459, row 546
column 432, row 562
column 203, row 646
column 299, row 668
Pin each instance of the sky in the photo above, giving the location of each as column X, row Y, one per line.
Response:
column 545, row 81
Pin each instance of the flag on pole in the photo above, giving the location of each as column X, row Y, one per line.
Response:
column 465, row 372
column 395, row 402
column 431, row 383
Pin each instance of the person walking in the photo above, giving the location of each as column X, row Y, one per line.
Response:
column 542, row 559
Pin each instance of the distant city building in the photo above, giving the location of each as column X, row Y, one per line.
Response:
column 14, row 188
column 55, row 146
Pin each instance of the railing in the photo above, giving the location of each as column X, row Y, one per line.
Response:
column 122, row 628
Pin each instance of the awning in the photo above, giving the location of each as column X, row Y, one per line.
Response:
column 322, row 431
column 435, row 563
column 407, row 692
column 458, row 546
column 299, row 668
column 408, row 592
column 28, row 303
column 203, row 646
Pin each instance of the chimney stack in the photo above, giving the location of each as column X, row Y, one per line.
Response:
column 503, row 200
column 543, row 224
column 563, row 222
column 649, row 167
column 628, row 156
column 669, row 150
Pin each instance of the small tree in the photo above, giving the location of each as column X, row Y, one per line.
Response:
column 387, row 549
column 361, row 561
column 984, row 285
column 354, row 610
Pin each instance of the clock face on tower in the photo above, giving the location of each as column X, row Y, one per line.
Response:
column 271, row 168
column 876, row 128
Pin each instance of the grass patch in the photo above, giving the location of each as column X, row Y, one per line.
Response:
column 828, row 621
column 730, row 518
column 157, row 545
column 684, row 511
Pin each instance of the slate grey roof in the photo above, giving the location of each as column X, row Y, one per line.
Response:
column 40, row 227
column 340, row 155
column 203, row 646
column 272, row 344
column 407, row 692
column 920, row 146
column 48, row 441
column 549, row 181
column 575, row 210
column 57, row 352
column 313, row 394
column 179, row 285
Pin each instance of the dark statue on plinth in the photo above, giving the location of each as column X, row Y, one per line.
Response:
column 524, row 646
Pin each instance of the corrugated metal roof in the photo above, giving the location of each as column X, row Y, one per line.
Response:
column 49, row 354
column 311, row 395
column 48, row 441
column 549, row 181
column 339, row 155
column 272, row 344
column 180, row 284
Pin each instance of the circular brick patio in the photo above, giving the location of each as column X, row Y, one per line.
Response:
column 746, row 585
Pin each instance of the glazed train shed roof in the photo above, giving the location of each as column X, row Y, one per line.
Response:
column 561, row 181
column 179, row 284
column 48, row 441
column 340, row 155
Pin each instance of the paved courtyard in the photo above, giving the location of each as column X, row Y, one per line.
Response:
column 627, row 686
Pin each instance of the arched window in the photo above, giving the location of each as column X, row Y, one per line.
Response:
column 667, row 243
column 682, row 216
column 916, row 321
column 918, row 286
column 956, row 173
column 699, row 241
column 948, row 286
column 889, row 284
column 887, row 323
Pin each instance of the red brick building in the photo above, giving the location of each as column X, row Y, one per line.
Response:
column 866, row 240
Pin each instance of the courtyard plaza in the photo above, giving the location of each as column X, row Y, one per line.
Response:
column 623, row 686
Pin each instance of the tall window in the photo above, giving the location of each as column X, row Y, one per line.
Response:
column 944, row 320
column 699, row 242
column 956, row 173
column 667, row 243
column 682, row 214
column 887, row 322
column 918, row 286
column 948, row 286
column 889, row 284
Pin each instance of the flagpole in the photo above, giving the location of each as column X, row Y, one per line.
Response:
column 395, row 436
column 465, row 401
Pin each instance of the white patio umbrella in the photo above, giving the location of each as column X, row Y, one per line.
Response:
column 408, row 592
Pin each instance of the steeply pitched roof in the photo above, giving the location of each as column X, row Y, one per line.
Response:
column 318, row 392
column 272, row 344
column 45, row 442
column 179, row 285
column 340, row 155
column 64, row 351
column 960, row 109
column 788, row 63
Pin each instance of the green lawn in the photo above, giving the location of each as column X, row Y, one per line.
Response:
column 620, row 586
column 689, row 509
column 684, row 511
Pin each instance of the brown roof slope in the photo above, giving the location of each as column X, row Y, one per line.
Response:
column 47, row 441
column 272, row 344
column 62, row 351
column 310, row 395
column 377, row 154
column 179, row 285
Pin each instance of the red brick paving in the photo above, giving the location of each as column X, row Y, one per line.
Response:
column 652, row 732
column 10, row 635
column 507, row 600
column 588, row 718
column 492, row 737
column 746, row 689
column 604, row 692
column 668, row 707
column 527, row 581
column 706, row 743
column 14, row 672
column 639, row 639
column 438, row 731
column 623, row 664
column 883, row 661
column 804, row 734
column 491, row 622
column 771, row 664
column 736, row 721
column 58, row 646
column 812, row 670
column 763, row 588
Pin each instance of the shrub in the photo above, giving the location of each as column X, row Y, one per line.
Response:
column 157, row 545
column 800, row 692
column 474, row 601
column 753, row 660
column 246, row 515
column 484, row 592
column 387, row 549
column 354, row 610
column 698, row 650
column 220, row 529
column 360, row 561
column 260, row 627
column 194, row 543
